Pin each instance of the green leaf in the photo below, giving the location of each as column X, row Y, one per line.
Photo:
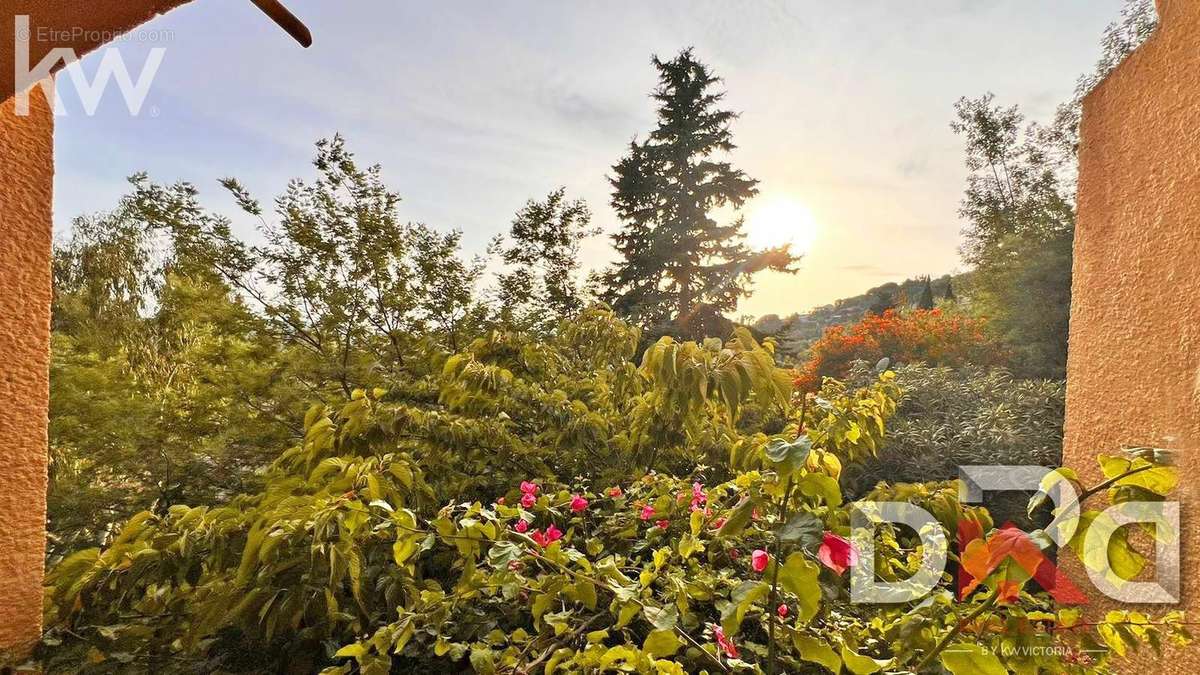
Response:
column 743, row 596
column 859, row 664
column 802, row 527
column 661, row 643
column 788, row 456
column 817, row 651
column 738, row 519
column 663, row 618
column 483, row 660
column 1161, row 480
column 404, row 549
column 823, row 487
column 963, row 658
column 799, row 577
column 354, row 650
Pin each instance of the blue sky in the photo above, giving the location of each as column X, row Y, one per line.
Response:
column 473, row 107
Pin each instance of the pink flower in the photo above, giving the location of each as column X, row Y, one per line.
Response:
column 501, row 501
column 529, row 488
column 522, row 525
column 725, row 643
column 551, row 535
column 782, row 611
column 698, row 496
column 734, row 554
column 578, row 503
column 615, row 492
column 718, row 523
column 837, row 554
column 759, row 559
column 663, row 524
column 647, row 512
column 528, row 500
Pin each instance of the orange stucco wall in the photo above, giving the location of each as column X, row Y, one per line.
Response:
column 27, row 172
column 1133, row 374
column 26, row 196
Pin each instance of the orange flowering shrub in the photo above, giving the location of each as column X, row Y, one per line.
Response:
column 933, row 336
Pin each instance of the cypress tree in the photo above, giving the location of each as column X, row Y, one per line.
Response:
column 926, row 300
column 675, row 258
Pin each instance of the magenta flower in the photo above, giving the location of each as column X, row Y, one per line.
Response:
column 522, row 525
column 663, row 524
column 553, row 534
column 782, row 611
column 528, row 500
column 578, row 503
column 647, row 512
column 759, row 559
column 837, row 554
column 725, row 643
column 529, row 488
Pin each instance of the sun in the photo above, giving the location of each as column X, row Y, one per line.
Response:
column 778, row 221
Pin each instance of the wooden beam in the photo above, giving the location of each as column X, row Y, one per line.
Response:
column 286, row 20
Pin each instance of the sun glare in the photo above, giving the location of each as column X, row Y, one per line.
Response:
column 780, row 221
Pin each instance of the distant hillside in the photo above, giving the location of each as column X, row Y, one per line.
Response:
column 797, row 331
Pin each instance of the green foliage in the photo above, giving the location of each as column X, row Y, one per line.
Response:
column 949, row 418
column 393, row 538
column 539, row 289
column 1021, row 223
column 675, row 257
column 164, row 388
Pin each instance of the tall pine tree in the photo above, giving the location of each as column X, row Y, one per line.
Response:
column 677, row 262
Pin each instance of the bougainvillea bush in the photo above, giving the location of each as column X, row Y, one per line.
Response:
column 935, row 337
column 547, row 507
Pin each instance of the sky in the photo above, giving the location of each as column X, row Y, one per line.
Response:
column 475, row 106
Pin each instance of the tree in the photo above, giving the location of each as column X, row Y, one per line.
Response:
column 539, row 288
column 949, row 296
column 1019, row 208
column 674, row 256
column 926, row 299
column 1020, row 226
column 165, row 388
column 339, row 277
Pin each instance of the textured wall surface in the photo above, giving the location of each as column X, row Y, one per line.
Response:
column 27, row 175
column 1133, row 375
column 26, row 196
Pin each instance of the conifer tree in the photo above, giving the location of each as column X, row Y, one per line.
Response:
column 676, row 260
column 926, row 300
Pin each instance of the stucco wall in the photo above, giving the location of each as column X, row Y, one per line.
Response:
column 27, row 172
column 1133, row 374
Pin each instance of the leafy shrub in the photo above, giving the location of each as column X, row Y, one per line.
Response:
column 935, row 337
column 510, row 524
column 950, row 417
